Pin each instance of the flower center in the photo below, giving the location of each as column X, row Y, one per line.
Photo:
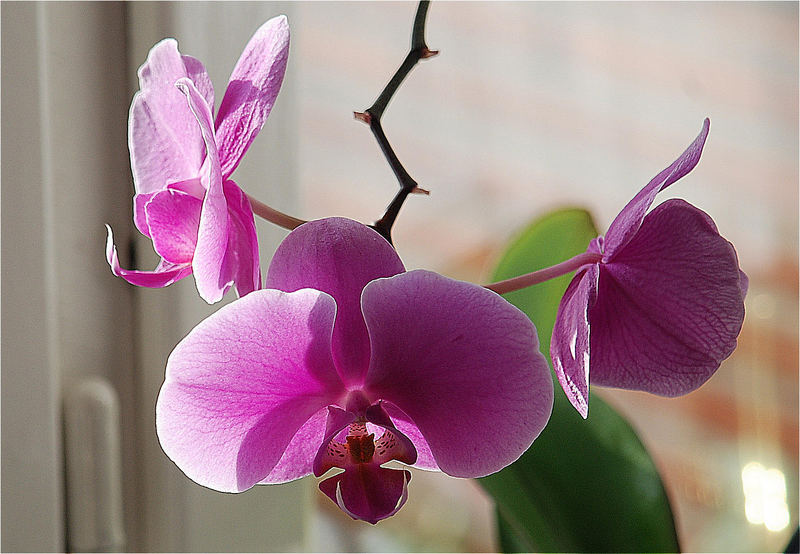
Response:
column 359, row 443
column 361, row 448
column 355, row 446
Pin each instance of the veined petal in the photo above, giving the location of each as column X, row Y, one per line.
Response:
column 242, row 253
column 243, row 383
column 196, row 71
column 251, row 92
column 425, row 459
column 669, row 306
column 165, row 274
column 744, row 283
column 139, row 217
column 164, row 140
column 570, row 342
column 173, row 218
column 368, row 492
column 212, row 237
column 338, row 256
column 191, row 187
column 462, row 363
column 298, row 458
column 337, row 420
column 393, row 444
column 627, row 222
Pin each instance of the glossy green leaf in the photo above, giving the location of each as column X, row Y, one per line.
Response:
column 584, row 485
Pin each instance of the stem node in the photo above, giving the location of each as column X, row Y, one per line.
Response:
column 364, row 117
column 372, row 117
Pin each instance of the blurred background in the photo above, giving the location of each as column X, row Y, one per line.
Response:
column 529, row 107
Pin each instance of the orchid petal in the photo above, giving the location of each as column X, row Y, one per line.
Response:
column 196, row 71
column 570, row 342
column 338, row 256
column 212, row 235
column 243, row 383
column 173, row 218
column 425, row 459
column 242, row 253
column 251, row 92
column 462, row 363
column 164, row 140
column 669, row 307
column 165, row 274
column 627, row 222
column 191, row 187
column 744, row 282
column 368, row 492
column 337, row 420
column 297, row 460
column 139, row 216
column 393, row 444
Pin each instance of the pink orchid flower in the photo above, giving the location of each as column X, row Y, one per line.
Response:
column 662, row 306
column 348, row 361
column 199, row 220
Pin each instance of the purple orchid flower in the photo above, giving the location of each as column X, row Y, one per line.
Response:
column 662, row 306
column 348, row 361
column 199, row 220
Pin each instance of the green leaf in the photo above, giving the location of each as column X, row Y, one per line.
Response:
column 584, row 485
column 509, row 540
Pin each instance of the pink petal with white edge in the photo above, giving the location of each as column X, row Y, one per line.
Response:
column 165, row 274
column 368, row 492
column 191, row 187
column 338, row 256
column 337, row 420
column 243, row 383
column 462, row 363
column 139, row 216
column 164, row 140
column 242, row 253
column 391, row 444
column 252, row 90
column 670, row 306
column 173, row 218
column 213, row 278
column 627, row 222
column 571, row 339
column 298, row 458
column 196, row 71
column 425, row 459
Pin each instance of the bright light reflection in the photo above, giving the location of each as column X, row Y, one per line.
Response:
column 765, row 496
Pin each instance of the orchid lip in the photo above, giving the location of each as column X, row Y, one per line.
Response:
column 364, row 490
column 359, row 445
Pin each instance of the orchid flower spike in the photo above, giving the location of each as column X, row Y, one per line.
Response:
column 199, row 220
column 348, row 361
column 661, row 308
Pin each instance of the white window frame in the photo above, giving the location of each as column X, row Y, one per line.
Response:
column 69, row 71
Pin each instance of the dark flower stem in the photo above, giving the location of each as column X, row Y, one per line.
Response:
column 536, row 277
column 372, row 117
